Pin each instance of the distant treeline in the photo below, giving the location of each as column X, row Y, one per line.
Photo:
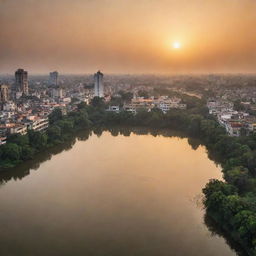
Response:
column 232, row 204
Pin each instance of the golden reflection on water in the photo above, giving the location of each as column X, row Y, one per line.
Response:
column 112, row 196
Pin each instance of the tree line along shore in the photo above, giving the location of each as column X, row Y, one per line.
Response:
column 232, row 204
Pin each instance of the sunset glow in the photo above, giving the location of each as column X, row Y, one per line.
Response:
column 64, row 35
column 176, row 45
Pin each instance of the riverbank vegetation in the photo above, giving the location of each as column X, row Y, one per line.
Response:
column 232, row 204
column 21, row 148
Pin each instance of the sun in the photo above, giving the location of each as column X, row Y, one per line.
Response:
column 176, row 45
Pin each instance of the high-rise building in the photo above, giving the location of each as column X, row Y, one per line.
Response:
column 53, row 80
column 57, row 92
column 21, row 81
column 4, row 93
column 98, row 85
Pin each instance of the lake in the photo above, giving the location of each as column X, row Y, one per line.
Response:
column 111, row 195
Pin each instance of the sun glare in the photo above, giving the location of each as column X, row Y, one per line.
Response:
column 176, row 45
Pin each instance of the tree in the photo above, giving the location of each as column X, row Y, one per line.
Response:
column 238, row 106
column 195, row 124
column 27, row 152
column 233, row 205
column 37, row 140
column 126, row 96
column 143, row 93
column 81, row 105
column 54, row 134
column 98, row 102
column 217, row 185
column 116, row 101
column 21, row 140
column 74, row 100
column 243, row 131
column 66, row 125
column 239, row 177
column 245, row 223
column 81, row 119
column 11, row 151
column 215, row 202
column 55, row 115
column 208, row 128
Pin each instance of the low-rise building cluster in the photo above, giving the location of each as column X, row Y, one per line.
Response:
column 23, row 108
column 235, row 122
column 26, row 103
column 164, row 103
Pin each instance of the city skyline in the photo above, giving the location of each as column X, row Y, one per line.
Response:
column 128, row 37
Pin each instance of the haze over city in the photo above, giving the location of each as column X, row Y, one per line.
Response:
column 128, row 127
column 128, row 36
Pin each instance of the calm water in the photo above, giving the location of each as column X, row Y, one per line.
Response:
column 137, row 195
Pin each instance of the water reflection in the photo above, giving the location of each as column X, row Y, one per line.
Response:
column 160, row 226
column 24, row 169
column 217, row 230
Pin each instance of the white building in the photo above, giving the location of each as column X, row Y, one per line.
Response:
column 9, row 106
column 57, row 93
column 3, row 140
column 40, row 124
column 114, row 109
column 167, row 105
column 98, row 85
column 18, row 129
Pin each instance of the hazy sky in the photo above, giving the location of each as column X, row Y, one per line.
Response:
column 128, row 36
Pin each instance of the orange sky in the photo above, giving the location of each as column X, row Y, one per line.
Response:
column 128, row 36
